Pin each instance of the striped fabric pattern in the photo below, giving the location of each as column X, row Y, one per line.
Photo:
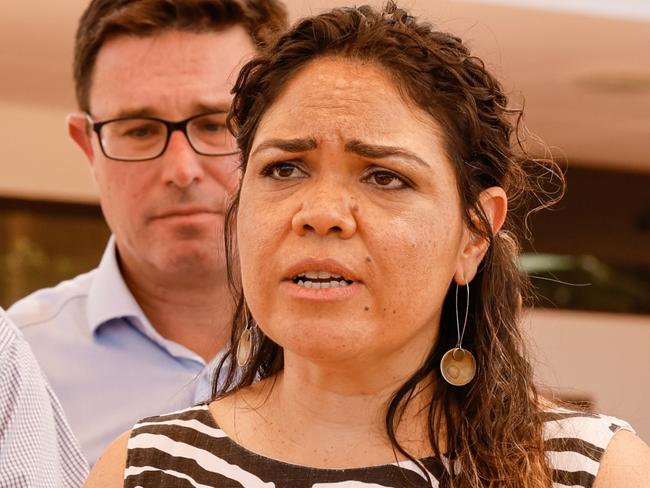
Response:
column 575, row 443
column 186, row 449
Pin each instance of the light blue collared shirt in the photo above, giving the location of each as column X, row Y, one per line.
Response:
column 105, row 361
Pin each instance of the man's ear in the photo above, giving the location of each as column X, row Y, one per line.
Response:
column 79, row 132
column 494, row 203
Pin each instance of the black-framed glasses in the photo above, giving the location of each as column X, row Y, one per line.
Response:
column 145, row 138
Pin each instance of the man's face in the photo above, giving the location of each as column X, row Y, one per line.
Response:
column 167, row 213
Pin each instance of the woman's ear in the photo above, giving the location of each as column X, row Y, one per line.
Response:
column 494, row 203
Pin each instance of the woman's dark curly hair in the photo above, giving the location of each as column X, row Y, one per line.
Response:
column 492, row 427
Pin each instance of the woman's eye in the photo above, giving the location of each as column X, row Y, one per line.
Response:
column 284, row 171
column 387, row 180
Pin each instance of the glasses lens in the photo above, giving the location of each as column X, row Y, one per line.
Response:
column 209, row 135
column 133, row 139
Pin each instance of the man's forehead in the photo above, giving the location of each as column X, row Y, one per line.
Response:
column 168, row 73
column 156, row 111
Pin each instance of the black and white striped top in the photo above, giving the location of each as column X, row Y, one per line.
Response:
column 187, row 449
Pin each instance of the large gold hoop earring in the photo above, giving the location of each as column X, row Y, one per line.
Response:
column 458, row 366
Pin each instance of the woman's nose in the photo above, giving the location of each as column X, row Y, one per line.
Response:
column 327, row 209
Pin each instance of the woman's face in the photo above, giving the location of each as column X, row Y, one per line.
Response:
column 350, row 226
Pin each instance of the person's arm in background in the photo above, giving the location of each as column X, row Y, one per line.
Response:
column 37, row 447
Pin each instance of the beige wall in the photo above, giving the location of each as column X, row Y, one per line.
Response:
column 38, row 161
column 603, row 356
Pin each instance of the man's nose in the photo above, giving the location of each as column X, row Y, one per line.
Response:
column 182, row 166
column 327, row 208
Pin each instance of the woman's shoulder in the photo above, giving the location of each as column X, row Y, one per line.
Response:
column 108, row 472
column 185, row 444
column 156, row 447
column 190, row 425
column 196, row 414
column 596, row 429
column 576, row 442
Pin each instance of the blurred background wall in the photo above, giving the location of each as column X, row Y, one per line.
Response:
column 582, row 69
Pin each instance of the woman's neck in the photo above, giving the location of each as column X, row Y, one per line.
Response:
column 320, row 418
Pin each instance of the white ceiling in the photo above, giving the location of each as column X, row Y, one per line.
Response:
column 582, row 66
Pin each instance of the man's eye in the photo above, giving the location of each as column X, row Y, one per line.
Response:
column 387, row 180
column 141, row 132
column 212, row 127
column 283, row 171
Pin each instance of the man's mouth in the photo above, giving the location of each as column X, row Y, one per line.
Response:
column 185, row 212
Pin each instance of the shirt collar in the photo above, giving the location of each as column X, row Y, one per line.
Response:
column 109, row 298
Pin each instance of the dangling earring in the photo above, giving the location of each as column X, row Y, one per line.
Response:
column 458, row 366
column 245, row 345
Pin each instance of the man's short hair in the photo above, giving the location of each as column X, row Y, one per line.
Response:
column 262, row 19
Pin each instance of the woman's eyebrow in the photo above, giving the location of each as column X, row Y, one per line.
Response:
column 288, row 145
column 376, row 151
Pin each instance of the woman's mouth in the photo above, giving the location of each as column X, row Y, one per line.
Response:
column 320, row 279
